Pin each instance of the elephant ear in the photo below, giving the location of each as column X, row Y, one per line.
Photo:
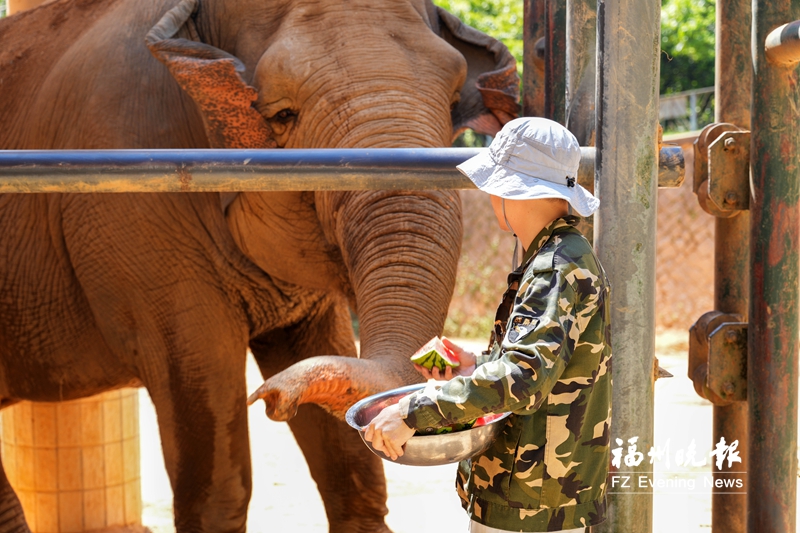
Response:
column 490, row 96
column 212, row 78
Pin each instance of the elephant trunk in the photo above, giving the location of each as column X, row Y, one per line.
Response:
column 401, row 250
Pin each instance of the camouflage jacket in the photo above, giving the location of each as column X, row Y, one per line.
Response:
column 552, row 369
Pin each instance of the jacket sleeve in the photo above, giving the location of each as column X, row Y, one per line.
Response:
column 539, row 341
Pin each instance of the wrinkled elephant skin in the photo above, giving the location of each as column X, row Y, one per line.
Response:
column 167, row 291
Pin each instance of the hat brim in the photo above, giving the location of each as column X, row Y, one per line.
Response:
column 499, row 180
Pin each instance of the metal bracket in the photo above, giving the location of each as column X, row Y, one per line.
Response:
column 718, row 357
column 727, row 361
column 722, row 170
column 729, row 171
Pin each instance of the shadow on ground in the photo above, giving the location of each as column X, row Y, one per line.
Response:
column 285, row 497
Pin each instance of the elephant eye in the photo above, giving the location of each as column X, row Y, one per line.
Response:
column 285, row 115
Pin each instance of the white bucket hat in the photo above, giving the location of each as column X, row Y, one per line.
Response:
column 532, row 158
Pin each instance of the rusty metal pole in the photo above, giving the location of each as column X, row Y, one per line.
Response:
column 581, row 70
column 533, row 59
column 581, row 76
column 625, row 230
column 89, row 171
column 775, row 230
column 731, row 241
column 555, row 60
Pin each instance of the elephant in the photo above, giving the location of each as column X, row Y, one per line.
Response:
column 168, row 291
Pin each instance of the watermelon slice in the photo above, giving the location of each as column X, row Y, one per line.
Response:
column 478, row 422
column 449, row 429
column 435, row 354
column 486, row 420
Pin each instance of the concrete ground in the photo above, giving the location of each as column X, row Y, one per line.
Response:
column 285, row 497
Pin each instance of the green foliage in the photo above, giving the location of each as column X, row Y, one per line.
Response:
column 3, row 8
column 687, row 44
column 470, row 139
column 687, row 36
column 501, row 19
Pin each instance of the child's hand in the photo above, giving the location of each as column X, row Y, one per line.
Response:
column 465, row 358
column 388, row 433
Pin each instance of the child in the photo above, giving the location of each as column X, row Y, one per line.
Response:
column 549, row 360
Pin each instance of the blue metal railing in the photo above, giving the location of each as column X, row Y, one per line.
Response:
column 232, row 170
column 31, row 171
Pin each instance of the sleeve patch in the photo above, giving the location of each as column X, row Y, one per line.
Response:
column 520, row 326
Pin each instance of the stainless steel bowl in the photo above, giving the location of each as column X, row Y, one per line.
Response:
column 424, row 450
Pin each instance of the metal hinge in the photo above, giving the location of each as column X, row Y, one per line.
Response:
column 722, row 169
column 718, row 357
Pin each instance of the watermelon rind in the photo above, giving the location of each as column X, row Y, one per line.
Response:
column 435, row 354
column 424, row 359
column 450, row 429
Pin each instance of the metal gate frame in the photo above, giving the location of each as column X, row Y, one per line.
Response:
column 765, row 164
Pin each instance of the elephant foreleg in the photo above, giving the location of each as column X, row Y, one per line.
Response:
column 12, row 518
column 199, row 399
column 350, row 478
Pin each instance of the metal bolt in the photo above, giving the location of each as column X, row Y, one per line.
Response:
column 730, row 198
column 730, row 142
column 731, row 335
column 728, row 388
column 538, row 49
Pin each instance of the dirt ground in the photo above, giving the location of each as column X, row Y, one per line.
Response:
column 285, row 497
